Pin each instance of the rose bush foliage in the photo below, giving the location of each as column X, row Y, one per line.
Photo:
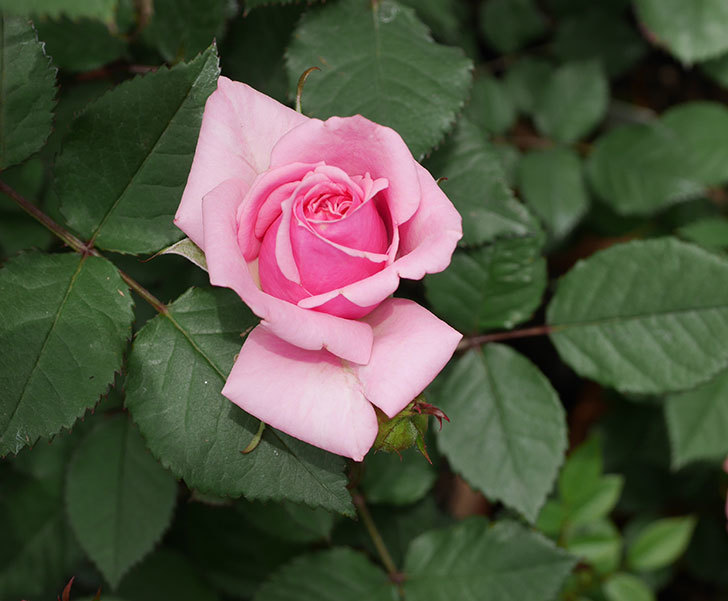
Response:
column 313, row 223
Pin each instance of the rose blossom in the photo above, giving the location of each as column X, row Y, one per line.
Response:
column 313, row 223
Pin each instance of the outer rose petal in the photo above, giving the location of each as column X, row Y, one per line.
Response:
column 411, row 346
column 351, row 340
column 307, row 394
column 357, row 146
column 240, row 126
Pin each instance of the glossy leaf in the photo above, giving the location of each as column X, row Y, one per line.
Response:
column 27, row 91
column 67, row 320
column 134, row 147
column 502, row 408
column 625, row 316
column 379, row 61
column 177, row 368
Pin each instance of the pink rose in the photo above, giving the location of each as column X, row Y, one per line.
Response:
column 313, row 223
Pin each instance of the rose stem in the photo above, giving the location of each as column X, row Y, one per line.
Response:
column 366, row 517
column 468, row 343
column 77, row 245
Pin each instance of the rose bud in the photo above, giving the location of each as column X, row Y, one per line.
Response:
column 312, row 223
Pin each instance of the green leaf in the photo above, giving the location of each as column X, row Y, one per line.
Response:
column 251, row 4
column 503, row 408
column 80, row 45
column 717, row 69
column 165, row 574
column 27, row 91
column 697, row 422
column 524, row 81
column 692, row 31
column 509, row 25
column 551, row 518
column 626, row 315
column 660, row 543
column 552, row 184
column 573, row 102
column 598, row 543
column 476, row 185
column 379, row 62
column 233, row 555
column 253, row 49
column 496, row 286
column 446, row 18
column 597, row 502
column 328, row 576
column 491, row 107
column 626, row 587
column 180, row 29
column 67, row 319
column 177, row 367
column 133, row 147
column 119, row 499
column 506, row 561
column 397, row 479
column 189, row 250
column 600, row 35
column 710, row 232
column 102, row 10
column 288, row 521
column 582, row 470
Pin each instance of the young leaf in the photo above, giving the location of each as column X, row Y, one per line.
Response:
column 476, row 184
column 189, row 250
column 133, row 147
column 625, row 316
column 552, row 184
column 66, row 321
column 573, row 102
column 597, row 502
column 378, row 60
column 328, row 576
column 495, row 286
column 582, row 470
column 27, row 91
column 697, row 422
column 660, row 543
column 506, row 561
column 119, row 499
column 692, row 31
column 177, row 367
column 598, row 543
column 502, row 408
column 626, row 587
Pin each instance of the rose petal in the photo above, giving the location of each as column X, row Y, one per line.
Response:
column 307, row 394
column 411, row 346
column 239, row 128
column 357, row 146
column 351, row 340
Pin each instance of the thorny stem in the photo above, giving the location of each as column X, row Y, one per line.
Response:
column 366, row 517
column 468, row 343
column 78, row 245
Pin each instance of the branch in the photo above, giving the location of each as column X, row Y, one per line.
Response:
column 473, row 341
column 366, row 517
column 78, row 245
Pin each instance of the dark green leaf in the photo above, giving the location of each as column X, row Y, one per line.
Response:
column 508, row 25
column 573, row 102
column 660, row 543
column 288, row 521
column 379, row 62
column 490, row 106
column 328, row 576
column 525, row 81
column 27, row 91
column 102, row 10
column 80, row 45
column 165, row 574
column 446, row 18
column 692, row 31
column 552, row 185
column 711, row 232
column 697, row 422
column 119, row 499
column 496, row 286
column 582, row 470
column 133, row 147
column 397, row 479
column 177, row 368
column 505, row 562
column 717, row 68
column 180, row 29
column 477, row 187
column 626, row 316
column 67, row 320
column 502, row 408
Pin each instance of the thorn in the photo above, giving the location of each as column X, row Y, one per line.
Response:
column 66, row 595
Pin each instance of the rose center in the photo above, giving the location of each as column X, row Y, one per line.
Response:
column 327, row 203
